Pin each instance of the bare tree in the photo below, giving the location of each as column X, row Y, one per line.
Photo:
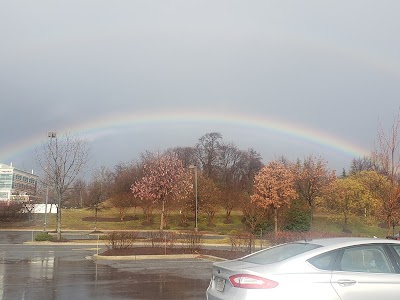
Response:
column 207, row 151
column 230, row 196
column 362, row 164
column 229, row 159
column 387, row 156
column 249, row 165
column 78, row 193
column 121, row 194
column 99, row 188
column 254, row 216
column 62, row 160
column 185, row 154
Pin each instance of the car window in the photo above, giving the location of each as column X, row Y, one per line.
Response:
column 397, row 248
column 324, row 261
column 397, row 258
column 279, row 253
column 367, row 259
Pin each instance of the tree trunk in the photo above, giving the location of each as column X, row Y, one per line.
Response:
column 162, row 216
column 251, row 242
column 58, row 226
column 228, row 214
column 346, row 221
column 183, row 217
column 95, row 217
column 311, row 215
column 389, row 224
column 276, row 219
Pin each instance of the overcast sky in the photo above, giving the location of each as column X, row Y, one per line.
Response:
column 332, row 67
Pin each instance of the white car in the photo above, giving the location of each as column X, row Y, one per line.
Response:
column 321, row 269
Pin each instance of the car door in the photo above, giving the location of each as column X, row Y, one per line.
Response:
column 365, row 273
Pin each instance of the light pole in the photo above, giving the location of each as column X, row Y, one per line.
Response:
column 50, row 135
column 194, row 167
column 45, row 207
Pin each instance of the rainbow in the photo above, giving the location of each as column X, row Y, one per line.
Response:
column 113, row 123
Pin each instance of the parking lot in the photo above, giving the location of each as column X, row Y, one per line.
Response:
column 68, row 272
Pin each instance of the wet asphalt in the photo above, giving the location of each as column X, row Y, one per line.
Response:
column 69, row 272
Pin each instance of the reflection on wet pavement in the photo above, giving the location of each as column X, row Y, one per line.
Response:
column 49, row 275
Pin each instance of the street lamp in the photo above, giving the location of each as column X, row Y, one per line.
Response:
column 194, row 167
column 50, row 135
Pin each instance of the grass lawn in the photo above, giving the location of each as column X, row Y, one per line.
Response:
column 357, row 225
column 83, row 219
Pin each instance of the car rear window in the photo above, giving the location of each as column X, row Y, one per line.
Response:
column 324, row 261
column 279, row 253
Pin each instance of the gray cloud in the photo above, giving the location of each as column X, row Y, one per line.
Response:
column 311, row 62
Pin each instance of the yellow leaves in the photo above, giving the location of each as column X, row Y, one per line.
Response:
column 356, row 194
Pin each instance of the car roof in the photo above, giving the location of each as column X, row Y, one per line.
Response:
column 325, row 245
column 347, row 241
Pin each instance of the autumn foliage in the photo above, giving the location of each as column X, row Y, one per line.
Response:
column 230, row 179
column 312, row 179
column 274, row 188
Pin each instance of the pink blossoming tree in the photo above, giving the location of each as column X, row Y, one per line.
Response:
column 165, row 180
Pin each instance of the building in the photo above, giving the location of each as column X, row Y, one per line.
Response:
column 16, row 184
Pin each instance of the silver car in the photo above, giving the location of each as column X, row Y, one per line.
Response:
column 321, row 269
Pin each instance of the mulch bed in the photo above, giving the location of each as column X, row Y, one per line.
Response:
column 227, row 254
column 102, row 219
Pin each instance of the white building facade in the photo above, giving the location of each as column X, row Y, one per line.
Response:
column 16, row 184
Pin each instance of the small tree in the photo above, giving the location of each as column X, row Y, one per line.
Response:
column 312, row 178
column 165, row 180
column 98, row 191
column 185, row 208
column 121, row 194
column 229, row 199
column 208, row 196
column 78, row 193
column 347, row 197
column 254, row 217
column 274, row 188
column 122, row 202
column 382, row 189
column 378, row 187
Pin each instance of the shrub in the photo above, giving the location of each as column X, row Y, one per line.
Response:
column 155, row 238
column 12, row 211
column 160, row 239
column 171, row 239
column 241, row 241
column 121, row 239
column 192, row 240
column 43, row 236
column 291, row 236
column 297, row 218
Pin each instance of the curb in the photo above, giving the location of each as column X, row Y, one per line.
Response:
column 157, row 257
